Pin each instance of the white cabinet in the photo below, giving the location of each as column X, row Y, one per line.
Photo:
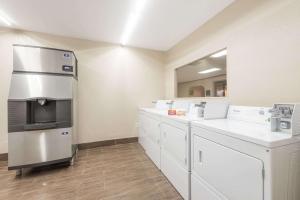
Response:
column 235, row 175
column 150, row 136
column 175, row 157
column 174, row 144
column 142, row 132
column 167, row 143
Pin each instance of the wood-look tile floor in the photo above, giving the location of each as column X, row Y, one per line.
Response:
column 119, row 172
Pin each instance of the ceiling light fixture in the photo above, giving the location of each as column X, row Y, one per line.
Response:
column 132, row 20
column 214, row 69
column 5, row 19
column 219, row 54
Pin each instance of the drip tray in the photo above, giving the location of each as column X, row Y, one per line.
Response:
column 40, row 126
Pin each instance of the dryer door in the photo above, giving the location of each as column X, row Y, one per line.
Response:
column 235, row 175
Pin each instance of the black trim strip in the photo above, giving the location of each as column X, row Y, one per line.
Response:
column 35, row 98
column 3, row 156
column 43, row 73
column 91, row 145
column 40, row 164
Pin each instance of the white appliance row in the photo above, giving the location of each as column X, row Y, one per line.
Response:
column 166, row 141
column 235, row 158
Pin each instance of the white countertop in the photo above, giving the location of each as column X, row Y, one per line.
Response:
column 164, row 113
column 252, row 132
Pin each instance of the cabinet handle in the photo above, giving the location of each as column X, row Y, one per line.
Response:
column 200, row 156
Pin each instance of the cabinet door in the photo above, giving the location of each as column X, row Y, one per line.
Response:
column 174, row 143
column 152, row 133
column 152, row 127
column 174, row 163
column 235, row 175
column 142, row 132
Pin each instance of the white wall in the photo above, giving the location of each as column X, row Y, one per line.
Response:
column 263, row 42
column 113, row 82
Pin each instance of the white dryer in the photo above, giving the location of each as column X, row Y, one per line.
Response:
column 239, row 158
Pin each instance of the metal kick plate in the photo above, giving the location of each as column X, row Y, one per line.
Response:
column 33, row 147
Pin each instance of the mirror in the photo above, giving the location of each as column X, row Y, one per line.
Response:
column 205, row 77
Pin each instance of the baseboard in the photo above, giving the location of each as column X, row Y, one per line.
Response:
column 3, row 157
column 91, row 145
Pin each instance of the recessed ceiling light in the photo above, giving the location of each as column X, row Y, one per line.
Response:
column 132, row 20
column 219, row 54
column 209, row 70
column 5, row 19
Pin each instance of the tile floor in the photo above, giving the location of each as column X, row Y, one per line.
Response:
column 119, row 172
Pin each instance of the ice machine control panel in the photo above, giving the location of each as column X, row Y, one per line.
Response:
column 67, row 68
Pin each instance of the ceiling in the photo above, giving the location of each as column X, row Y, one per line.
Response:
column 190, row 71
column 160, row 25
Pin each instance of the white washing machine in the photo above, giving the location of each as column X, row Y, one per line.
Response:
column 239, row 158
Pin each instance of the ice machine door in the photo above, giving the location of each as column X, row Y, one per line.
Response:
column 34, row 86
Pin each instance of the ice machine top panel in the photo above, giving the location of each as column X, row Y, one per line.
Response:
column 44, row 60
